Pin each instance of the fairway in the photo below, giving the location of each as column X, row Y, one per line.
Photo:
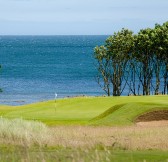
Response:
column 87, row 110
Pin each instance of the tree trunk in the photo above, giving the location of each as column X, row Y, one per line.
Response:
column 157, row 72
column 166, row 81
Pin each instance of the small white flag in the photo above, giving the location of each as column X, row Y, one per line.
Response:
column 56, row 95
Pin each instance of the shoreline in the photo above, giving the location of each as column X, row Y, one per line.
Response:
column 24, row 102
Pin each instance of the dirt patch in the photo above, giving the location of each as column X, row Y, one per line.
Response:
column 153, row 116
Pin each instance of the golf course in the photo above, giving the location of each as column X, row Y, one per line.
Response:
column 112, row 111
column 127, row 128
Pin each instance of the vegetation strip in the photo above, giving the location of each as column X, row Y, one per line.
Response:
column 134, row 64
column 88, row 110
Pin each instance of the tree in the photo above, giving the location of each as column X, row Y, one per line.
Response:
column 161, row 56
column 103, row 60
column 112, row 59
column 119, row 46
column 165, row 55
column 137, row 62
column 143, row 54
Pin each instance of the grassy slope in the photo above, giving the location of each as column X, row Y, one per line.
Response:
column 82, row 110
column 125, row 114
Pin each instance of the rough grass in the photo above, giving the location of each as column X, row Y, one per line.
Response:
column 80, row 155
column 87, row 143
column 22, row 140
column 124, row 138
column 29, row 133
column 23, row 133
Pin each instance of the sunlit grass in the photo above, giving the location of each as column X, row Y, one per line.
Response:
column 33, row 141
column 22, row 132
column 72, row 135
column 81, row 110
column 28, row 133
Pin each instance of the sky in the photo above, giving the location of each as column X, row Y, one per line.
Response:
column 79, row 17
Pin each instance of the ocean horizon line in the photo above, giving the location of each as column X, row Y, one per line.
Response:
column 58, row 35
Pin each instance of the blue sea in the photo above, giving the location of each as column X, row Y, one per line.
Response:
column 34, row 68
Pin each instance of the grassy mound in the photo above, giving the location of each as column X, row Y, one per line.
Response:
column 125, row 114
column 87, row 110
column 107, row 112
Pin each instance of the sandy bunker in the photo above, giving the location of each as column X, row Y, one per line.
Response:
column 154, row 118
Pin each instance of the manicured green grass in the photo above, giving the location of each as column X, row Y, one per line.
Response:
column 125, row 114
column 82, row 110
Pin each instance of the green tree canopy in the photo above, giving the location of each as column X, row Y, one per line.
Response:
column 138, row 62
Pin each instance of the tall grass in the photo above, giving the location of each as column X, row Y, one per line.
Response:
column 127, row 138
column 73, row 143
column 27, row 133
column 23, row 132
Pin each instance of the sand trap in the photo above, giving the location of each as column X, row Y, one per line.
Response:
column 154, row 118
column 156, row 115
column 153, row 123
